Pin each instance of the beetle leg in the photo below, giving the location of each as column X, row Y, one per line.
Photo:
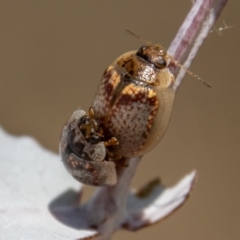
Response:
column 111, row 142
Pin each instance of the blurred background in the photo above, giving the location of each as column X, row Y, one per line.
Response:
column 52, row 56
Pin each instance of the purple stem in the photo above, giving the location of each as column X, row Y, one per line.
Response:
column 192, row 33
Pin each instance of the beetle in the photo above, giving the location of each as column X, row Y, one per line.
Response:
column 84, row 151
column 135, row 98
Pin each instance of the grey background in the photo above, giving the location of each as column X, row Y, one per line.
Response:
column 52, row 56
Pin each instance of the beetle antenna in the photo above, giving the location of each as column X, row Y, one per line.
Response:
column 137, row 36
column 190, row 72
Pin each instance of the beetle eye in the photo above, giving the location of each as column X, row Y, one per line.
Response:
column 160, row 63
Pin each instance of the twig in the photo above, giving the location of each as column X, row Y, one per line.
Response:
column 192, row 33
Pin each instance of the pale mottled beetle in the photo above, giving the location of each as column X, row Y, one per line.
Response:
column 84, row 151
column 135, row 99
column 133, row 105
